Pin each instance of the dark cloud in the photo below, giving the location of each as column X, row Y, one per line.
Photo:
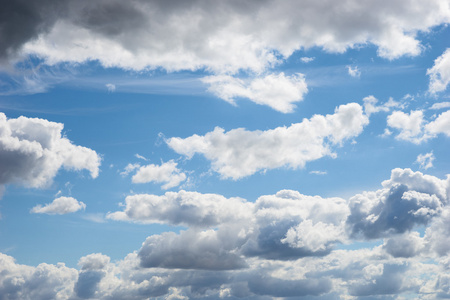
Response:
column 396, row 211
column 22, row 20
column 87, row 283
column 389, row 282
column 189, row 250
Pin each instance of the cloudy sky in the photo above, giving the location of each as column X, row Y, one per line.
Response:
column 224, row 149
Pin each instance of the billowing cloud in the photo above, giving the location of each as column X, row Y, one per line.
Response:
column 239, row 152
column 231, row 36
column 414, row 128
column 183, row 208
column 408, row 199
column 166, row 173
column 277, row 91
column 280, row 245
column 440, row 73
column 59, row 206
column 33, row 150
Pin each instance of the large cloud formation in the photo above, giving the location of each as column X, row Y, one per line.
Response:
column 239, row 152
column 32, row 151
column 220, row 36
column 282, row 245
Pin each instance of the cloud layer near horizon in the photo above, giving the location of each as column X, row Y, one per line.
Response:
column 281, row 245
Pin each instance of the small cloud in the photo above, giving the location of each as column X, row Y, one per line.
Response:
column 129, row 168
column 386, row 133
column 59, row 206
column 111, row 87
column 354, row 72
column 137, row 155
column 318, row 172
column 425, row 160
column 166, row 173
column 96, row 218
column 306, row 59
column 440, row 105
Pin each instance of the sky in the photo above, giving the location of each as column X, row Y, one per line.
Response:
column 224, row 149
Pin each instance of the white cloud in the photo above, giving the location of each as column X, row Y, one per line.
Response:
column 59, row 206
column 425, row 160
column 411, row 126
column 32, row 151
column 277, row 91
column 166, row 173
column 306, row 59
column 318, row 172
column 111, row 87
column 129, row 168
column 415, row 129
column 440, row 73
column 239, row 153
column 440, row 125
column 143, row 34
column 183, row 208
column 440, row 105
column 353, row 71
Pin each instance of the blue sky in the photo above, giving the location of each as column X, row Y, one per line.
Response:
column 205, row 150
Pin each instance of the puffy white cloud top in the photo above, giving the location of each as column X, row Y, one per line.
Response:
column 33, row 150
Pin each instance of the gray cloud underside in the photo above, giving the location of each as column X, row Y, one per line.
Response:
column 220, row 36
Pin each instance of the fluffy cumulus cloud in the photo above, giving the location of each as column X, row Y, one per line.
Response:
column 281, row 245
column 440, row 73
column 59, row 206
column 408, row 199
column 239, row 152
column 277, row 91
column 414, row 128
column 226, row 36
column 33, row 150
column 166, row 173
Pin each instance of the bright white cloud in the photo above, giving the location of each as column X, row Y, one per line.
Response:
column 353, row 71
column 228, row 37
column 166, row 173
column 183, row 208
column 411, row 126
column 60, row 206
column 277, row 91
column 306, row 59
column 440, row 125
column 239, row 153
column 425, row 160
column 33, row 150
column 440, row 73
column 415, row 129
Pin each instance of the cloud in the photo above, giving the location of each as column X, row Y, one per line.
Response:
column 413, row 128
column 440, row 73
column 354, row 72
column 166, row 173
column 111, row 87
column 183, row 208
column 274, row 90
column 239, row 152
column 318, row 172
column 440, row 105
column 407, row 199
column 32, row 151
column 280, row 245
column 306, row 59
column 189, row 250
column 425, row 160
column 59, row 206
column 186, row 36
